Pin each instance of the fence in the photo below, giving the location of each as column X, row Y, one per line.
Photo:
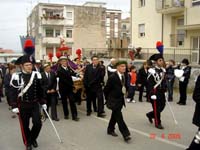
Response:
column 176, row 54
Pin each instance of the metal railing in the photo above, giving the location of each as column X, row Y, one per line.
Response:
column 164, row 4
column 176, row 54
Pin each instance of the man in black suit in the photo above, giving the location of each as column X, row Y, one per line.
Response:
column 66, row 87
column 114, row 93
column 195, row 144
column 49, row 83
column 142, row 80
column 93, row 79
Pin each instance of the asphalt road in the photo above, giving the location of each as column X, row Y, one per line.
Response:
column 90, row 132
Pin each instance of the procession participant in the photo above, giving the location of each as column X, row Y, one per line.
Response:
column 66, row 86
column 49, row 84
column 142, row 80
column 183, row 81
column 38, row 66
column 11, row 70
column 195, row 144
column 1, row 81
column 103, row 67
column 25, row 95
column 111, row 67
column 114, row 91
column 170, row 79
column 93, row 78
column 80, row 68
column 157, row 88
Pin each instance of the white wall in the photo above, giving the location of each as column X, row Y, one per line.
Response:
column 152, row 21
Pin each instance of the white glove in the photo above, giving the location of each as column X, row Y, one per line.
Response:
column 44, row 106
column 153, row 97
column 182, row 79
column 152, row 71
column 15, row 110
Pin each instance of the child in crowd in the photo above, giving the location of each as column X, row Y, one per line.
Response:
column 131, row 84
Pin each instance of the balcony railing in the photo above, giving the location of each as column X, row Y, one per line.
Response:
column 57, row 17
column 55, row 40
column 170, row 6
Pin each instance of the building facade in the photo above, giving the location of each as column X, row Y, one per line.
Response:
column 175, row 22
column 80, row 26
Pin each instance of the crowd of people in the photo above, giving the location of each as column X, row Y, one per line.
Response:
column 28, row 83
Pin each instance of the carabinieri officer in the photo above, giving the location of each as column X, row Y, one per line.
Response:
column 26, row 96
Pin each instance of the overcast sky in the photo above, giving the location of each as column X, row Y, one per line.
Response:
column 13, row 14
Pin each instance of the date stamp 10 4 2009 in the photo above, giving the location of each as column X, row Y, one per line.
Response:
column 169, row 136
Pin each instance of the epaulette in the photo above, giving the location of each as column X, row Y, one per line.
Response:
column 39, row 76
column 16, row 75
column 163, row 69
column 152, row 71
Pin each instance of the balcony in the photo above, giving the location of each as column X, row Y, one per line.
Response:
column 54, row 40
column 189, row 27
column 51, row 40
column 52, row 20
column 170, row 6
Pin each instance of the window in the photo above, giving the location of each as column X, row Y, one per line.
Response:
column 180, row 37
column 196, row 43
column 57, row 33
column 107, row 22
column 49, row 13
column 195, row 2
column 33, row 24
column 180, row 22
column 141, row 30
column 49, row 50
column 124, row 35
column 69, row 15
column 141, row 3
column 116, row 20
column 116, row 27
column 69, row 33
column 107, row 30
column 124, row 26
column 49, row 32
column 107, row 36
column 116, row 35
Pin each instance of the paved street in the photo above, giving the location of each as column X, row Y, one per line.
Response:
column 90, row 132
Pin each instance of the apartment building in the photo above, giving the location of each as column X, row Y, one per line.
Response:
column 175, row 22
column 81, row 27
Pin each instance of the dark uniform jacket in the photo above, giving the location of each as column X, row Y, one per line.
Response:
column 66, row 84
column 186, row 74
column 34, row 94
column 161, row 88
column 93, row 77
column 113, row 92
column 196, row 98
column 49, row 84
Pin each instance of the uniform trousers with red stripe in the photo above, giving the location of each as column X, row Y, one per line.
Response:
column 27, row 111
column 158, row 106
